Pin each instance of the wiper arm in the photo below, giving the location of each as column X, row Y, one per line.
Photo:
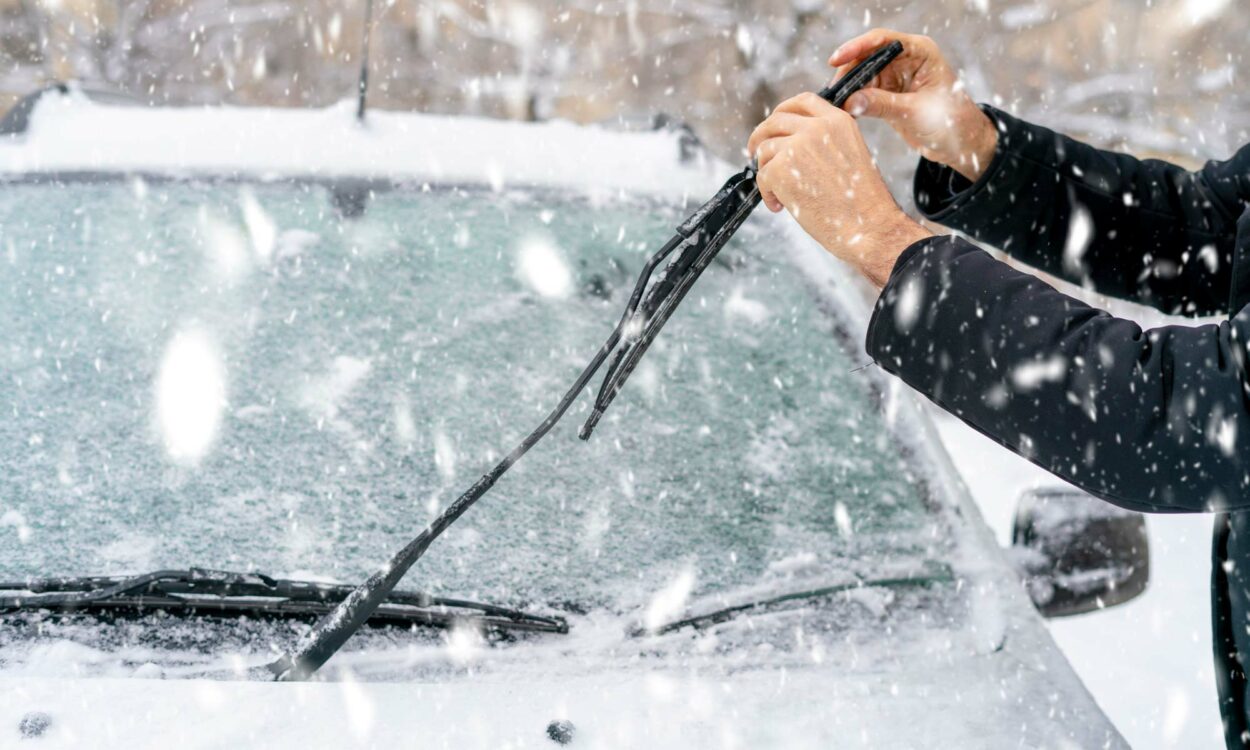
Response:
column 224, row 593
column 699, row 238
column 940, row 574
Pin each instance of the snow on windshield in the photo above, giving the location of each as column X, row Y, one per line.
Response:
column 241, row 378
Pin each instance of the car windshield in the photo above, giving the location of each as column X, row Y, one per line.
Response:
column 240, row 376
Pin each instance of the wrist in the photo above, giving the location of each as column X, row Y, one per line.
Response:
column 978, row 150
column 880, row 257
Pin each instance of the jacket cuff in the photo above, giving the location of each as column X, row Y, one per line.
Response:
column 945, row 196
column 922, row 267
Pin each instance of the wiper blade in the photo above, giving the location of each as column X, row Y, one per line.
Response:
column 699, row 238
column 923, row 579
column 225, row 593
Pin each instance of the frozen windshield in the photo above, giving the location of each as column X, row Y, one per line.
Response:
column 239, row 377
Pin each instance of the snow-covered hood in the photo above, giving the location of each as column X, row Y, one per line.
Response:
column 71, row 133
column 992, row 678
column 988, row 701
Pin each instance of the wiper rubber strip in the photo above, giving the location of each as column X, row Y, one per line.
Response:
column 700, row 237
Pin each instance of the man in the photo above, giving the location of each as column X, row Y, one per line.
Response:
column 1149, row 420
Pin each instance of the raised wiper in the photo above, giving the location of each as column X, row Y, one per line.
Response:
column 226, row 594
column 698, row 240
column 922, row 579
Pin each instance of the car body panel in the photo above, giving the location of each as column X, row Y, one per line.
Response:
column 1002, row 702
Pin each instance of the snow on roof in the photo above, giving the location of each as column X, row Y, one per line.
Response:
column 72, row 133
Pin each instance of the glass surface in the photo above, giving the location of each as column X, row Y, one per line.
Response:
column 239, row 377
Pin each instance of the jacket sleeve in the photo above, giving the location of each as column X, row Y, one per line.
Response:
column 1141, row 230
column 1150, row 420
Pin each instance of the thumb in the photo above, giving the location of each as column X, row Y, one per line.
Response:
column 879, row 103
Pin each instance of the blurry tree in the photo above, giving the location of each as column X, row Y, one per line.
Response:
column 1156, row 74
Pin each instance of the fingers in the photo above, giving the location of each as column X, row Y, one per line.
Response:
column 764, row 179
column 766, row 151
column 788, row 117
column 863, row 44
column 885, row 105
column 795, row 124
column 919, row 53
column 778, row 124
column 808, row 105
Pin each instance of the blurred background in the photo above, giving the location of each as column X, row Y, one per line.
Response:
column 1159, row 75
column 1155, row 77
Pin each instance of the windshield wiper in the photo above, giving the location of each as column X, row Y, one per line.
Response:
column 698, row 240
column 226, row 594
column 919, row 579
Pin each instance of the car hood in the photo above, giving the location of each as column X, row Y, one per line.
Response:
column 765, row 682
column 992, row 700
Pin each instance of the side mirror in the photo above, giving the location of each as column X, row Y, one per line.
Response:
column 1077, row 553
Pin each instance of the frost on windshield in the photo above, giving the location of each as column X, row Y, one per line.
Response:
column 370, row 375
column 307, row 411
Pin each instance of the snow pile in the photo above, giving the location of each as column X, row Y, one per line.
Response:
column 72, row 133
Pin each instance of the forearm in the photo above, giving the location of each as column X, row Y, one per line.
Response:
column 1145, row 419
column 1141, row 230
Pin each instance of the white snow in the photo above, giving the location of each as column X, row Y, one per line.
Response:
column 542, row 267
column 190, row 395
column 1080, row 232
column 842, row 518
column 798, row 562
column 72, row 133
column 669, row 602
column 293, row 242
column 642, row 707
column 405, row 425
column 225, row 246
column 464, row 645
column 324, row 395
column 738, row 305
column 1027, row 376
column 444, row 455
column 261, row 229
column 907, row 311
column 1200, row 12
column 13, row 519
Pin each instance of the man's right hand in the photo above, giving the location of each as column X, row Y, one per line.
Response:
column 923, row 100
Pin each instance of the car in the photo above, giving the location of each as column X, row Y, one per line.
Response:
column 249, row 353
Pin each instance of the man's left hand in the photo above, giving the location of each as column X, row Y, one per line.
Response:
column 814, row 163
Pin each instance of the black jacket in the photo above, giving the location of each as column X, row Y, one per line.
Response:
column 1153, row 420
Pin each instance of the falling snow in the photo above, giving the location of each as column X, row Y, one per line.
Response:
column 281, row 338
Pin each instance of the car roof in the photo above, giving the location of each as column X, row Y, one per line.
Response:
column 64, row 130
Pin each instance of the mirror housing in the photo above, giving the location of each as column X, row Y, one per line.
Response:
column 1077, row 553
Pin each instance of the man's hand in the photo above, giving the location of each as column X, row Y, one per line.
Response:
column 813, row 161
column 922, row 99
